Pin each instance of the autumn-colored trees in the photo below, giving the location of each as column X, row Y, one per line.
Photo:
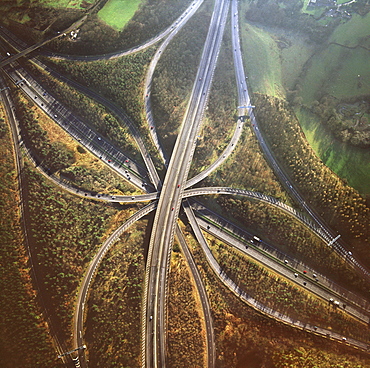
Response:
column 244, row 336
column 275, row 292
column 174, row 77
column 186, row 342
column 340, row 205
column 113, row 332
column 22, row 324
column 64, row 233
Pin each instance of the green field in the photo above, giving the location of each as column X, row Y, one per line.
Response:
column 261, row 60
column 117, row 13
column 350, row 163
column 273, row 70
column 335, row 70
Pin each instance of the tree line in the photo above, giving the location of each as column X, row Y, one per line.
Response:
column 244, row 335
column 22, row 323
column 341, row 206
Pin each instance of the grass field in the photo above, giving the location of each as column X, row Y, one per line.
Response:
column 335, row 70
column 117, row 13
column 271, row 69
column 262, row 60
column 350, row 163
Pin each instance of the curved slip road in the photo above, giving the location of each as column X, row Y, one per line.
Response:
column 234, row 288
column 154, row 334
column 84, row 288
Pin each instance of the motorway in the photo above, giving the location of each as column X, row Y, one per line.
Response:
column 284, row 179
column 280, row 262
column 234, row 288
column 154, row 354
column 243, row 100
column 84, row 287
column 178, row 23
column 79, row 131
column 165, row 226
column 34, row 47
column 96, row 144
column 210, row 338
column 96, row 261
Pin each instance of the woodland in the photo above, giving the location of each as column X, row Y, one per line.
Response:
column 64, row 232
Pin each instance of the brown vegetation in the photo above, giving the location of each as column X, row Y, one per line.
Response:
column 221, row 114
column 54, row 156
column 248, row 169
column 245, row 338
column 340, row 205
column 174, row 77
column 186, row 338
column 91, row 113
column 22, row 324
column 278, row 293
column 291, row 237
column 113, row 333
column 65, row 232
